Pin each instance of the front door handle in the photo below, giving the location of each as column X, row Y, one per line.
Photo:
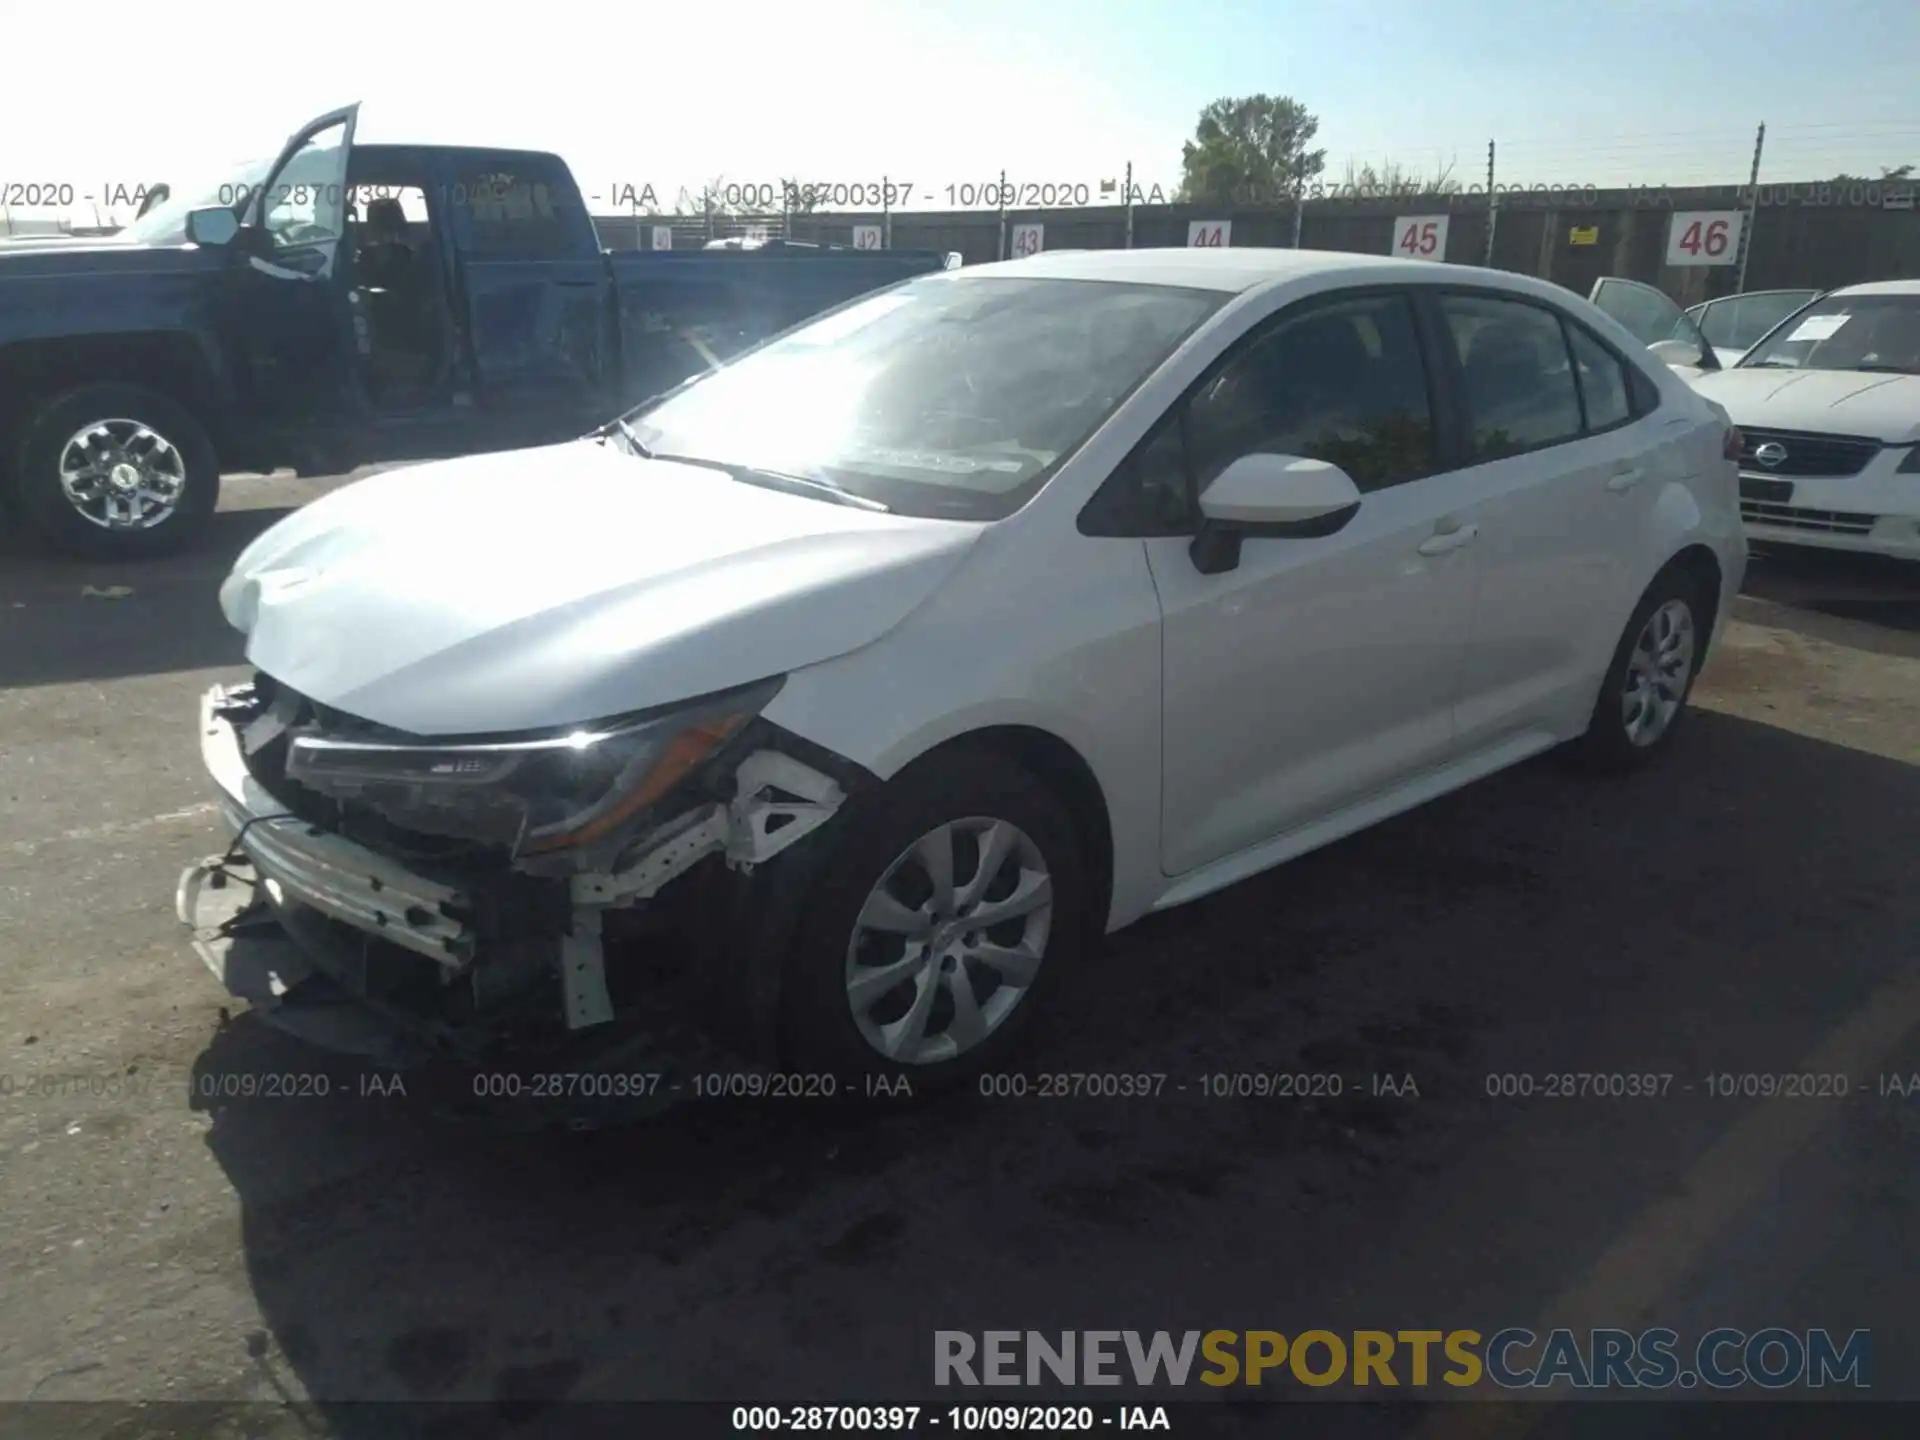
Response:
column 1625, row 478
column 1441, row 541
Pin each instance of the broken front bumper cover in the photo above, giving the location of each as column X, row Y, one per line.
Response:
column 274, row 917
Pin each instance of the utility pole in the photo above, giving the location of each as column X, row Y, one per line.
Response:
column 1001, row 253
column 1753, row 207
column 1129, row 204
column 1299, row 194
column 1493, row 210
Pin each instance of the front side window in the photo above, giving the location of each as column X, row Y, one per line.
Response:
column 305, row 205
column 1514, row 371
column 951, row 396
column 1341, row 382
column 514, row 215
column 1876, row 334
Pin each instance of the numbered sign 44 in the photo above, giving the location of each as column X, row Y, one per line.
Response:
column 1420, row 237
column 1704, row 237
column 1028, row 240
column 866, row 237
column 1210, row 234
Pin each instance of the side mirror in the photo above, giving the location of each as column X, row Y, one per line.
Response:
column 1684, row 353
column 1270, row 496
column 213, row 226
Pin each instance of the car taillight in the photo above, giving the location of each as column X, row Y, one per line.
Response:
column 1734, row 443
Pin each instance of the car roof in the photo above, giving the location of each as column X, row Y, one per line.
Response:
column 1881, row 287
column 1233, row 270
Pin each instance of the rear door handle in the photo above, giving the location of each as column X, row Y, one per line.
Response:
column 1441, row 541
column 1626, row 477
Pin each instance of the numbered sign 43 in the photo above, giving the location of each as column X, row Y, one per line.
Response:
column 1420, row 237
column 866, row 237
column 1210, row 234
column 1029, row 239
column 1704, row 237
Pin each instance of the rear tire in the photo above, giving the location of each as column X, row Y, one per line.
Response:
column 978, row 988
column 115, row 472
column 1650, row 679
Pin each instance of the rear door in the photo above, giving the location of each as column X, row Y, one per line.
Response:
column 1565, row 450
column 535, row 295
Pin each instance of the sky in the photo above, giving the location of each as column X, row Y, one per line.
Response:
column 940, row 93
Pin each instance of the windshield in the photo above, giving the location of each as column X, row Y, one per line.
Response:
column 1875, row 333
column 166, row 223
column 950, row 396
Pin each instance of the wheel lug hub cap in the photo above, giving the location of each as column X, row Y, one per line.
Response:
column 124, row 477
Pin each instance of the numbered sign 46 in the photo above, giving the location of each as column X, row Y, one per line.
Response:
column 1420, row 237
column 1210, row 234
column 866, row 237
column 1704, row 237
column 1029, row 240
column 662, row 237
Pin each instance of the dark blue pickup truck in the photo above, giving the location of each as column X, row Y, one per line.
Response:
column 342, row 305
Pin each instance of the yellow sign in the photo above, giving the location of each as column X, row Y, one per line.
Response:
column 1584, row 235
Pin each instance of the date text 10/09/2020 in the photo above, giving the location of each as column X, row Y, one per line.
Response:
column 907, row 1419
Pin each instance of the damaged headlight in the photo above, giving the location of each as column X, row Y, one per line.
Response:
column 534, row 795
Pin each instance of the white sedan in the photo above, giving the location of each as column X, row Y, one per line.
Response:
column 1829, row 403
column 905, row 656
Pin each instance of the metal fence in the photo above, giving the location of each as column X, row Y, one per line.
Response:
column 1814, row 234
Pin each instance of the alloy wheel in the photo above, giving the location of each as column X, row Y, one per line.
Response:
column 122, row 474
column 1658, row 669
column 949, row 941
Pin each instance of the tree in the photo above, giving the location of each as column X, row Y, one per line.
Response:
column 1887, row 172
column 1393, row 178
column 1250, row 151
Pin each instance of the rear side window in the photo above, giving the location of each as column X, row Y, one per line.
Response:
column 1515, row 375
column 515, row 213
column 1603, row 381
column 1341, row 382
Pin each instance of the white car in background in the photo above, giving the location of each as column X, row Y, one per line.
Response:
column 916, row 649
column 1829, row 405
column 1734, row 323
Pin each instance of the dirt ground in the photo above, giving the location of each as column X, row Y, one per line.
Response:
column 1751, row 907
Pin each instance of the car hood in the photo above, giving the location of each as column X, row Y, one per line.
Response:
column 1838, row 402
column 565, row 584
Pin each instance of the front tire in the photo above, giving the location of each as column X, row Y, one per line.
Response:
column 115, row 472
column 1644, row 696
column 960, row 896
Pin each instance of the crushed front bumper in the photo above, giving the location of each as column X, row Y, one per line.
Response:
column 286, row 919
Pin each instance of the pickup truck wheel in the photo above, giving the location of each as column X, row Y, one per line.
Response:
column 959, row 898
column 116, row 472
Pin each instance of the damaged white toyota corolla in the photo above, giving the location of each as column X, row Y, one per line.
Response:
column 837, row 703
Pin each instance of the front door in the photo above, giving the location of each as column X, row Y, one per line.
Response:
column 1317, row 672
column 288, row 319
column 1651, row 317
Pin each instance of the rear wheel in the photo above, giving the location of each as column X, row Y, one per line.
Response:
column 960, row 896
column 1644, row 697
column 115, row 472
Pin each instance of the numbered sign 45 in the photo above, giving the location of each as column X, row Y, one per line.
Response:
column 1420, row 237
column 1029, row 240
column 866, row 237
column 1210, row 234
column 1704, row 237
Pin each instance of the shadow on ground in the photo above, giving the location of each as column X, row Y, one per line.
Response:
column 64, row 620
column 793, row 1251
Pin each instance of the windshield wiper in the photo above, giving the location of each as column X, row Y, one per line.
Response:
column 781, row 480
column 626, row 432
column 1880, row 369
